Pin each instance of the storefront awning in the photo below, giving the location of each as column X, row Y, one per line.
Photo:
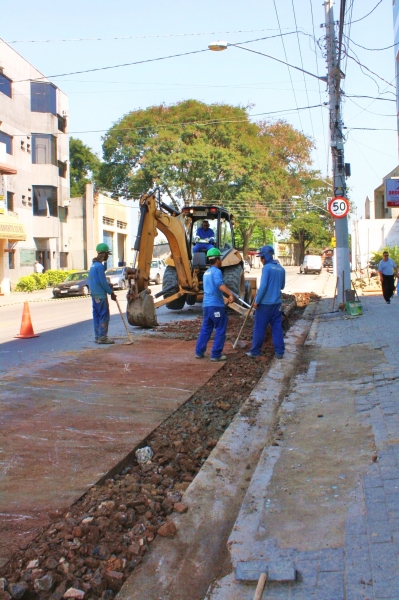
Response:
column 7, row 170
column 11, row 229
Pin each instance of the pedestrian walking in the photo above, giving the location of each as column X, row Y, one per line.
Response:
column 267, row 304
column 99, row 288
column 38, row 267
column 387, row 270
column 214, row 309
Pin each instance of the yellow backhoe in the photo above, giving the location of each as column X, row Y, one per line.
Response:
column 182, row 280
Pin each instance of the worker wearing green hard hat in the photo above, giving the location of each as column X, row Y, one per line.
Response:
column 103, row 248
column 214, row 310
column 99, row 289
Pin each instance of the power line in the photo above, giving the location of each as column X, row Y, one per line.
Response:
column 369, row 111
column 374, row 49
column 138, row 37
column 368, row 14
column 364, row 67
column 286, row 59
column 321, row 110
column 185, row 123
column 303, row 75
column 370, row 97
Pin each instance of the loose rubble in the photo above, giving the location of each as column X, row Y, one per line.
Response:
column 88, row 552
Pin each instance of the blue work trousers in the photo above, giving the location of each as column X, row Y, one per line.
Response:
column 100, row 317
column 265, row 314
column 215, row 318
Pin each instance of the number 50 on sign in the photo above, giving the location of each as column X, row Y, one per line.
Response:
column 338, row 207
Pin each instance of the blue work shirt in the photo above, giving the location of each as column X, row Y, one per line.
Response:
column 271, row 284
column 205, row 234
column 386, row 267
column 212, row 280
column 98, row 284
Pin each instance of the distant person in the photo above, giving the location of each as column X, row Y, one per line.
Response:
column 38, row 267
column 99, row 288
column 268, row 304
column 214, row 309
column 387, row 270
column 204, row 237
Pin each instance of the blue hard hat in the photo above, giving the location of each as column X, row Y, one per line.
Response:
column 265, row 250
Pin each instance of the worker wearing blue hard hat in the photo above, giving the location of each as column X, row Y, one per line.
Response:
column 268, row 304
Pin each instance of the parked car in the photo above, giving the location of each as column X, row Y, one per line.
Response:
column 157, row 270
column 247, row 267
column 116, row 277
column 75, row 284
column 311, row 264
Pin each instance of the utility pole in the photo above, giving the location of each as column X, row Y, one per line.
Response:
column 337, row 150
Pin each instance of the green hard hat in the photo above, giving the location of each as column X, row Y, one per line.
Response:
column 213, row 252
column 103, row 248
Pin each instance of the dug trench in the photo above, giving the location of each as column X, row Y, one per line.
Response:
column 88, row 551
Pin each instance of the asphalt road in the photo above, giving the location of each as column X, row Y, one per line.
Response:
column 65, row 324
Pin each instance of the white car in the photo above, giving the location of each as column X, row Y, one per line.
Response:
column 157, row 270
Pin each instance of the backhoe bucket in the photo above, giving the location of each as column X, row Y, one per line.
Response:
column 141, row 310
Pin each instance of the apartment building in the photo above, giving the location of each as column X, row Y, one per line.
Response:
column 34, row 169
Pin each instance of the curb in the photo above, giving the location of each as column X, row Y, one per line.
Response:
column 215, row 496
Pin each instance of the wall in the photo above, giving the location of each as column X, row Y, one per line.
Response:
column 370, row 236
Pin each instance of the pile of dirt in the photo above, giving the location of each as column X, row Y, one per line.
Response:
column 90, row 551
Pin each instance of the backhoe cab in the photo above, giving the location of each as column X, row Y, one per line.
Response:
column 187, row 263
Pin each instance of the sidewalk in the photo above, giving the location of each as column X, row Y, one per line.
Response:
column 324, row 496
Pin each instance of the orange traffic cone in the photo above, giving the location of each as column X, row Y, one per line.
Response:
column 26, row 325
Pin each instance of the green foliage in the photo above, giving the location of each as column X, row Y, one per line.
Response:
column 84, row 166
column 393, row 253
column 26, row 284
column 310, row 229
column 40, row 281
column 201, row 153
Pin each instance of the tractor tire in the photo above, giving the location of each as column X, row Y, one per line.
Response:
column 169, row 279
column 234, row 279
column 248, row 293
column 191, row 299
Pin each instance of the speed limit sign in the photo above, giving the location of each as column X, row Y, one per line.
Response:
column 338, row 207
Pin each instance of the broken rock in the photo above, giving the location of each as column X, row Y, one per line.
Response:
column 17, row 590
column 168, row 529
column 74, row 593
column 180, row 508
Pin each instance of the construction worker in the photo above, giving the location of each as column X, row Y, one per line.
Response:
column 204, row 237
column 268, row 304
column 214, row 309
column 99, row 288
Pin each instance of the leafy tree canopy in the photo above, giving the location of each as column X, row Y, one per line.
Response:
column 201, row 153
column 84, row 165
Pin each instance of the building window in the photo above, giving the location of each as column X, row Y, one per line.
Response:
column 121, row 225
column 10, row 201
column 7, row 140
column 63, row 260
column 61, row 123
column 45, row 201
column 5, row 85
column 63, row 214
column 43, row 98
column 44, row 149
column 11, row 259
column 62, row 169
column 108, row 221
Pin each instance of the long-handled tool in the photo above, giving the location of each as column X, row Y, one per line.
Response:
column 261, row 571
column 124, row 322
column 243, row 325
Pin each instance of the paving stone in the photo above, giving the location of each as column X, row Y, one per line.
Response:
column 374, row 495
column 391, row 486
column 332, row 559
column 358, row 592
column 330, row 586
column 380, row 532
column 372, row 481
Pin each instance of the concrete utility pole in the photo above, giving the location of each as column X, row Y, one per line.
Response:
column 337, row 151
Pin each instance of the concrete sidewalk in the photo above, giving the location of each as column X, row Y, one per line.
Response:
column 324, row 496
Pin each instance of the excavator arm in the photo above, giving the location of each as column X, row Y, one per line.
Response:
column 156, row 215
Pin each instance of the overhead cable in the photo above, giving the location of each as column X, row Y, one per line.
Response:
column 368, row 14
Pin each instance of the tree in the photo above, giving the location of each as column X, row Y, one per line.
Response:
column 84, row 166
column 309, row 228
column 202, row 153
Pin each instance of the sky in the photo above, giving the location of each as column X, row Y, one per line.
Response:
column 124, row 31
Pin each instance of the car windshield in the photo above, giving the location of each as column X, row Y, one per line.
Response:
column 76, row 277
column 113, row 271
column 154, row 264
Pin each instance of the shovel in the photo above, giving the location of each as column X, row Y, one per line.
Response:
column 124, row 322
column 243, row 325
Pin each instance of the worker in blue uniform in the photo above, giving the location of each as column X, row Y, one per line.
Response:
column 99, row 289
column 214, row 309
column 268, row 304
column 204, row 237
